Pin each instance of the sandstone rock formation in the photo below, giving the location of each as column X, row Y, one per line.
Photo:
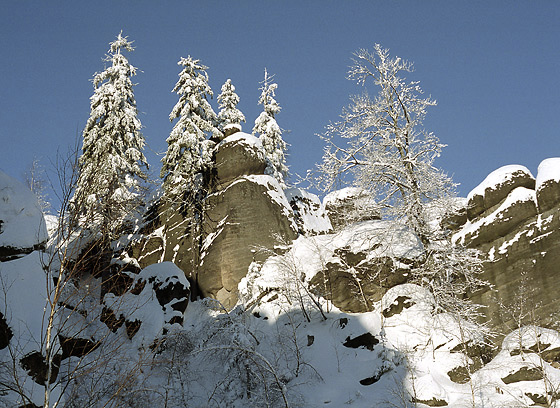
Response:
column 352, row 268
column 246, row 216
column 515, row 220
column 349, row 205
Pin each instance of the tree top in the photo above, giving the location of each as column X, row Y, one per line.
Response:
column 121, row 42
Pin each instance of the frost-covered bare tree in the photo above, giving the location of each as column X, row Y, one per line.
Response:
column 189, row 152
column 387, row 150
column 112, row 163
column 226, row 363
column 229, row 117
column 269, row 132
column 36, row 180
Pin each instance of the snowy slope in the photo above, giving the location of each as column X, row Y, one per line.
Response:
column 21, row 220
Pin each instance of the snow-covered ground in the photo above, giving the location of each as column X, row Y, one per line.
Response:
column 281, row 346
column 21, row 219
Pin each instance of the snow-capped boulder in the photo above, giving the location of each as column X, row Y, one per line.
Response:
column 22, row 226
column 143, row 314
column 349, row 205
column 352, row 268
column 368, row 259
column 496, row 186
column 238, row 155
column 518, row 206
column 521, row 371
column 548, row 184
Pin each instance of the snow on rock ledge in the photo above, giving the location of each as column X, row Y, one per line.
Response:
column 22, row 226
column 496, row 186
column 514, row 220
column 349, row 205
column 238, row 155
column 351, row 268
column 309, row 212
column 518, row 206
column 548, row 184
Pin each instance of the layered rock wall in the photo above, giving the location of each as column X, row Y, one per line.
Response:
column 245, row 216
column 515, row 220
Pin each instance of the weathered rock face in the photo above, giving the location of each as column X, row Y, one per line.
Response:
column 248, row 218
column 352, row 268
column 245, row 216
column 350, row 205
column 516, row 222
column 239, row 155
column 353, row 283
column 370, row 259
column 495, row 188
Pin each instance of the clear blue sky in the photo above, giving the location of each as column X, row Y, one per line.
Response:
column 493, row 67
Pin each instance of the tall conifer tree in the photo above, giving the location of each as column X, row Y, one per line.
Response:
column 269, row 131
column 230, row 117
column 111, row 165
column 189, row 152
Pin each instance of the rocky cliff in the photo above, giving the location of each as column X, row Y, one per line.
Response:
column 246, row 217
column 130, row 337
column 514, row 219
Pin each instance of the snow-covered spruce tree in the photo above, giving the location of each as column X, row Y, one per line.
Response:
column 269, row 132
column 389, row 153
column 189, row 152
column 229, row 117
column 111, row 165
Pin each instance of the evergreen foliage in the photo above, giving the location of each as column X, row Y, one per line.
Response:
column 229, row 116
column 269, row 131
column 189, row 152
column 112, row 162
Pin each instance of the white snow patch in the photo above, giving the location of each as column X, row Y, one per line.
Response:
column 497, row 178
column 22, row 224
column 145, row 306
column 342, row 195
column 362, row 199
column 244, row 138
column 310, row 209
column 549, row 170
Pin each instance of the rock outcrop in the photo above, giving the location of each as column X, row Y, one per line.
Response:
column 350, row 205
column 515, row 220
column 246, row 217
column 352, row 268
